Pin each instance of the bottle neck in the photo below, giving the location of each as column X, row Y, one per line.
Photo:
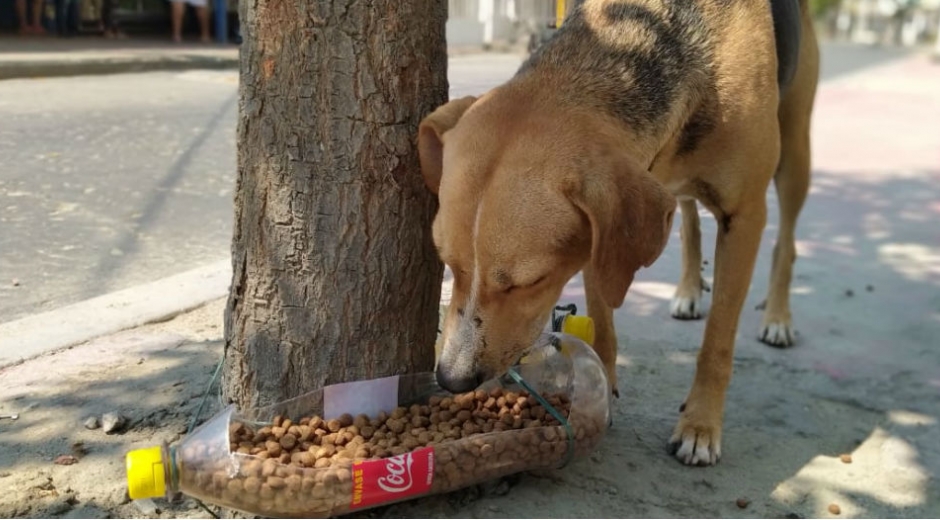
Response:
column 171, row 472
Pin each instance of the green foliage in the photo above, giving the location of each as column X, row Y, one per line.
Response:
column 820, row 7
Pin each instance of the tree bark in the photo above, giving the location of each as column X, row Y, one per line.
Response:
column 335, row 275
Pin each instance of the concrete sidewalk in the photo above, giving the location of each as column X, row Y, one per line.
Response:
column 50, row 57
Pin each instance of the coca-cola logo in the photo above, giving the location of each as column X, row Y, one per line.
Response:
column 391, row 479
column 399, row 478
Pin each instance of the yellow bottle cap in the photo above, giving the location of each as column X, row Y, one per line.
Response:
column 145, row 474
column 581, row 327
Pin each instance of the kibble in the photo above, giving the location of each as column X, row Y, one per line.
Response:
column 304, row 467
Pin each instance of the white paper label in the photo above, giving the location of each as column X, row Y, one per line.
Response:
column 361, row 397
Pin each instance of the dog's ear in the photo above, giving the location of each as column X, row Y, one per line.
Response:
column 630, row 214
column 431, row 138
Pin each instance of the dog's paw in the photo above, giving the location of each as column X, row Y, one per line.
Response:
column 686, row 307
column 777, row 333
column 687, row 303
column 696, row 443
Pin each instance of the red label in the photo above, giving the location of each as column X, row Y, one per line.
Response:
column 394, row 478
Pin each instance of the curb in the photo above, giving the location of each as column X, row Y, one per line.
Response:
column 111, row 65
column 129, row 308
column 65, row 67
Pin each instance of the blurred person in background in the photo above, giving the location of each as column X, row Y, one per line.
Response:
column 109, row 24
column 25, row 26
column 64, row 17
column 178, row 10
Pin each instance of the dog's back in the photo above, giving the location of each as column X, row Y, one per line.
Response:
column 645, row 61
column 637, row 61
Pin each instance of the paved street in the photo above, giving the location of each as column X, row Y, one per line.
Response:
column 131, row 180
column 107, row 182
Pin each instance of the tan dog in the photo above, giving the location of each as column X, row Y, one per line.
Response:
column 576, row 165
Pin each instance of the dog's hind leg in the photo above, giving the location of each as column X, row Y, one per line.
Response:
column 792, row 181
column 687, row 302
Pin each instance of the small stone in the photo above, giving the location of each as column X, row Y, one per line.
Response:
column 870, row 288
column 835, row 509
column 742, row 503
column 146, row 506
column 849, row 293
column 15, row 282
column 65, row 460
column 92, row 423
column 112, row 422
column 845, row 458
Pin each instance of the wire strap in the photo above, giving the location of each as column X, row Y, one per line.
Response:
column 192, row 426
column 569, row 453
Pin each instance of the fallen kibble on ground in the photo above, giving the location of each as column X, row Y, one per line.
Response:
column 846, row 458
column 79, row 449
column 835, row 509
column 742, row 503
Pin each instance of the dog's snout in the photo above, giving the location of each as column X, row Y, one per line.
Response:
column 458, row 381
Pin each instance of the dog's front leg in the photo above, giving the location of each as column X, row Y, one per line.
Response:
column 697, row 437
column 605, row 337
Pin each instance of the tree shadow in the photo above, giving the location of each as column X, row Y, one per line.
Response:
column 157, row 381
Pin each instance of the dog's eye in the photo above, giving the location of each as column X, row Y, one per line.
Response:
column 514, row 288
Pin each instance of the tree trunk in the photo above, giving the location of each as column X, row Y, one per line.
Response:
column 335, row 275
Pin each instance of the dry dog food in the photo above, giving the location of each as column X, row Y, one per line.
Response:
column 310, row 466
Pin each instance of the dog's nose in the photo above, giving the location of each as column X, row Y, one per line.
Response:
column 458, row 382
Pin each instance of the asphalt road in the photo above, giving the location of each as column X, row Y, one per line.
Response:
column 107, row 182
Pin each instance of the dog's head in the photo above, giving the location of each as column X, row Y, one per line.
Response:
column 527, row 201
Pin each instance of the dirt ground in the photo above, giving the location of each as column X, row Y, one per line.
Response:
column 863, row 380
column 786, row 427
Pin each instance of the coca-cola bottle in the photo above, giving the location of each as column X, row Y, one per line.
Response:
column 363, row 444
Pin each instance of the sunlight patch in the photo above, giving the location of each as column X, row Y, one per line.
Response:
column 917, row 262
column 681, row 358
column 908, row 418
column 660, row 290
column 893, row 474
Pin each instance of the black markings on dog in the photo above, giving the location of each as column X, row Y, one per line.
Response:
column 643, row 82
column 478, row 321
column 699, row 125
column 787, row 35
column 706, row 194
column 726, row 223
column 682, row 408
